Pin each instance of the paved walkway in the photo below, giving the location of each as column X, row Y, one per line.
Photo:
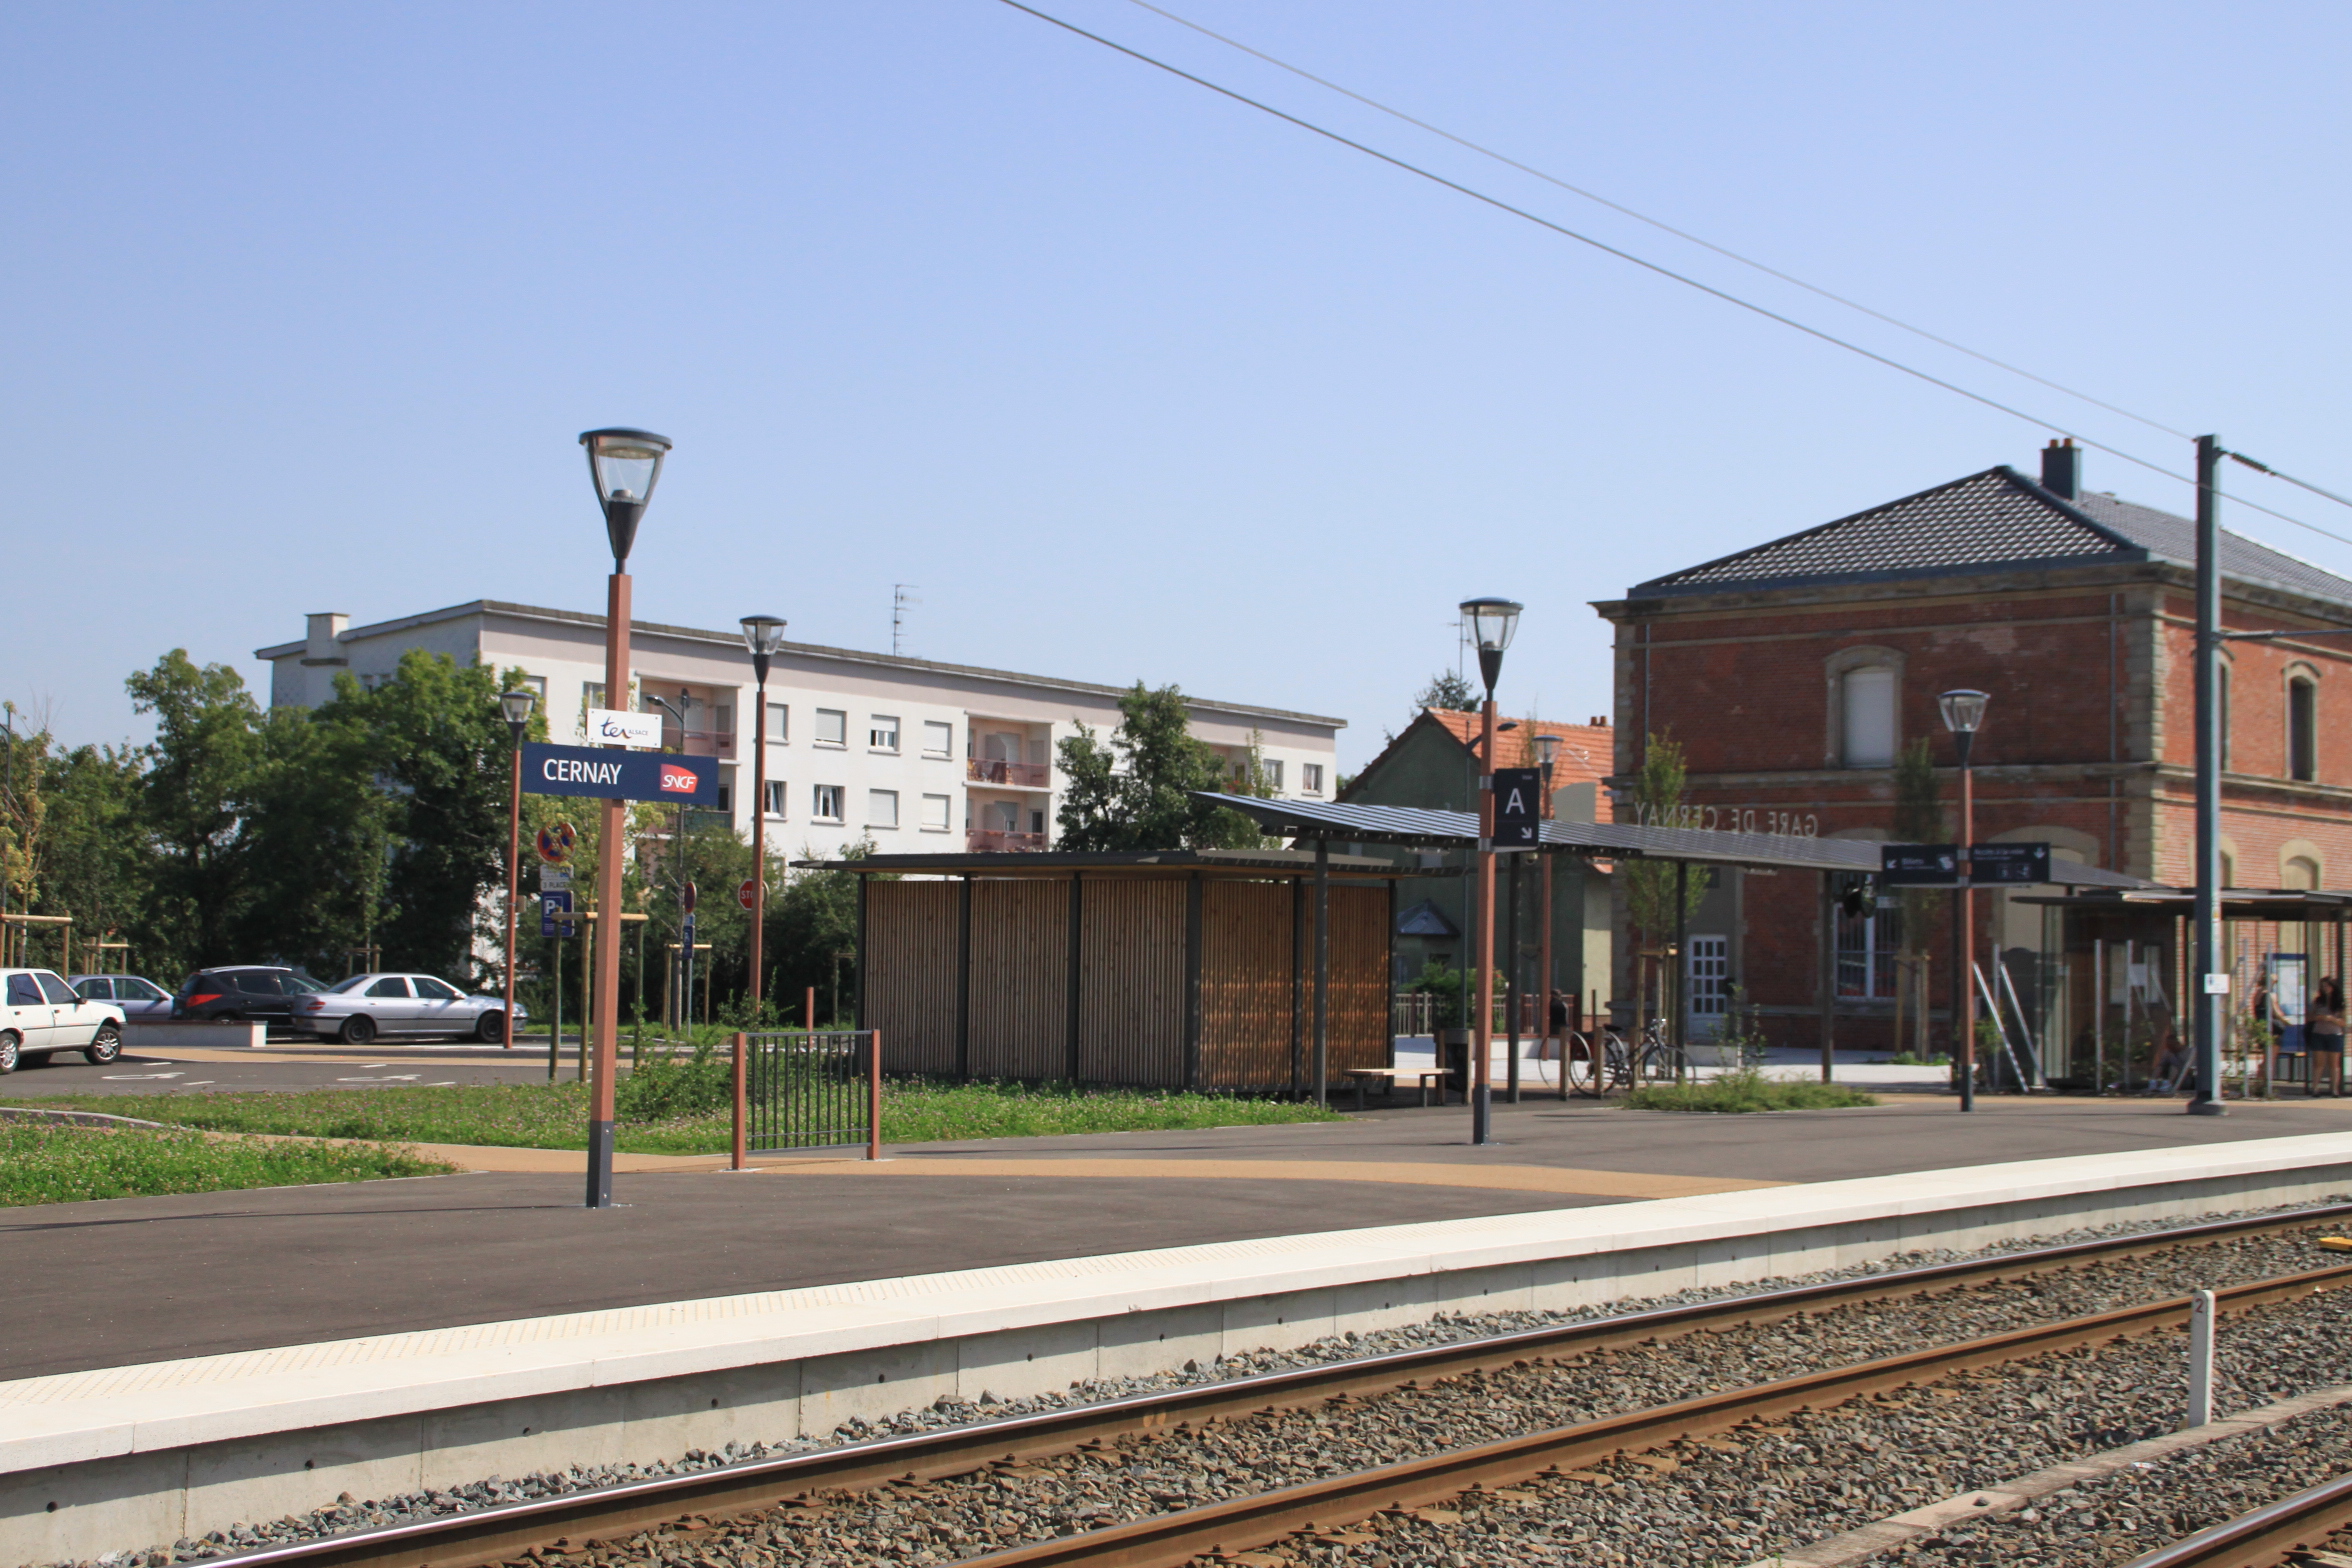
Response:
column 146, row 1279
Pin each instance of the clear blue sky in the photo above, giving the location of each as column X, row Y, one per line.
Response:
column 307, row 304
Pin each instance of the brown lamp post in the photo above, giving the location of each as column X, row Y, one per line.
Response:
column 516, row 706
column 1491, row 624
column 624, row 464
column 1963, row 712
column 763, row 635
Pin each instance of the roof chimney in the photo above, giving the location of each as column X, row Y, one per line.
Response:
column 2062, row 469
column 319, row 645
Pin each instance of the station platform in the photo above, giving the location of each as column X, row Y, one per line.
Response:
column 203, row 1360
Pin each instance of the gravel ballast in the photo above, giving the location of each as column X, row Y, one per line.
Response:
column 1732, row 1502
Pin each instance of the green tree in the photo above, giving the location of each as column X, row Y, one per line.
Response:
column 811, row 939
column 1649, row 884
column 316, row 820
column 1137, row 792
column 199, row 767
column 1446, row 689
column 433, row 737
column 94, row 862
column 1919, row 819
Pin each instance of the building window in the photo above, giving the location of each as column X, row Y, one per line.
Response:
column 1868, row 717
column 938, row 739
column 726, row 805
column 537, row 684
column 1710, row 977
column 725, row 714
column 594, row 691
column 832, row 727
column 935, row 813
column 776, row 799
column 2302, row 874
column 1037, row 822
column 2303, row 728
column 882, row 733
column 826, row 807
column 779, row 723
column 1270, row 771
column 881, row 808
column 1311, row 777
column 1866, row 949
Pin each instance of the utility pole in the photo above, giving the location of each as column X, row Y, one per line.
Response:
column 2209, row 994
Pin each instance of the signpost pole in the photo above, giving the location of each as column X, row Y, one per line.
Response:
column 514, row 877
column 611, row 839
column 1482, row 1021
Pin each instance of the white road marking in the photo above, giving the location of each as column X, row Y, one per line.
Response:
column 387, row 1078
column 139, row 1077
column 446, row 1083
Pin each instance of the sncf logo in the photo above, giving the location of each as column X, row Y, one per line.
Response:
column 678, row 781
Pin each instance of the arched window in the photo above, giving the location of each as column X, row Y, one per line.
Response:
column 2302, row 728
column 1868, row 719
column 2302, row 873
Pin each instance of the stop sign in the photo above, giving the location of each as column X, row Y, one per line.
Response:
column 743, row 893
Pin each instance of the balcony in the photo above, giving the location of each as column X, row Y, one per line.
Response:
column 1007, row 775
column 996, row 841
column 698, row 743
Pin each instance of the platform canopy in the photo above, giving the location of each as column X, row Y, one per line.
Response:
column 1427, row 828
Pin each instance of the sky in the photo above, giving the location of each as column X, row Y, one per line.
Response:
column 1127, row 380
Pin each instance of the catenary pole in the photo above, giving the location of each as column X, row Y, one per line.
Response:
column 1482, row 1022
column 2207, row 998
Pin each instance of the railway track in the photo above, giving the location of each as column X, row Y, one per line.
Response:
column 2292, row 1531
column 572, row 1523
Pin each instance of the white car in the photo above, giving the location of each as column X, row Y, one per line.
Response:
column 40, row 1015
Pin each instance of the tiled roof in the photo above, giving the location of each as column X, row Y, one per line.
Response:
column 1588, row 752
column 1987, row 521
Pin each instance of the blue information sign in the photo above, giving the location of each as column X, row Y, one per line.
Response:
column 555, row 913
column 613, row 774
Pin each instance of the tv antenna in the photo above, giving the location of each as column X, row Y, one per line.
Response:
column 899, row 600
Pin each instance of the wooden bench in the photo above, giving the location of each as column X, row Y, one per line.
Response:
column 1388, row 1076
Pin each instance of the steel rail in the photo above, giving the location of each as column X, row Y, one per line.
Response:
column 504, row 1531
column 1244, row 1523
column 2264, row 1538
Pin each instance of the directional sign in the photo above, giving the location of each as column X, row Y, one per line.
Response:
column 556, row 841
column 1518, row 801
column 1919, row 865
column 555, row 913
column 744, row 893
column 688, row 897
column 605, row 774
column 2009, row 863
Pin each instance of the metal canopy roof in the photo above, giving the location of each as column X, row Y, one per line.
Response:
column 2287, row 906
column 1427, row 828
column 1233, row 862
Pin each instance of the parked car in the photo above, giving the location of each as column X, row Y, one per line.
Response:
column 359, row 1009
column 138, row 998
column 40, row 1015
column 262, row 993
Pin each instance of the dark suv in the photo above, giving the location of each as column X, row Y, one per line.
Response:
column 263, row 993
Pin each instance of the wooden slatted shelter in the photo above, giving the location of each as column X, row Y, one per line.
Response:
column 1182, row 970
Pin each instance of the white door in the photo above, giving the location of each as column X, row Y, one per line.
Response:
column 73, row 1023
column 27, row 1011
column 1710, row 984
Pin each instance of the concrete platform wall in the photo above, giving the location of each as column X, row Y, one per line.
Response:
column 111, row 1461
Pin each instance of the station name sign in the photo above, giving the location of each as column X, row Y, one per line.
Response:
column 610, row 774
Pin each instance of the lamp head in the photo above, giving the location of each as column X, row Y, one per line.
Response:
column 517, row 706
column 1547, row 749
column 1491, row 623
column 1963, row 710
column 624, row 465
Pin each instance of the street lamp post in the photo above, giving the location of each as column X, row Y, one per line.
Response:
column 1547, row 751
column 624, row 464
column 1963, row 712
column 763, row 635
column 1491, row 624
column 516, row 706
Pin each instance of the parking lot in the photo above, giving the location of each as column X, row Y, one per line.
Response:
column 147, row 1072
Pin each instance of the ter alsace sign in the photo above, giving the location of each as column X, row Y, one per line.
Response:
column 608, row 774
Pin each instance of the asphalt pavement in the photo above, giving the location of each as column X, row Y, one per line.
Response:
column 292, row 1070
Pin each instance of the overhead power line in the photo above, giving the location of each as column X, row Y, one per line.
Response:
column 1660, row 225
column 1496, row 202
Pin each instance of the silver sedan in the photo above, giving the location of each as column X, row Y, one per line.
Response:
column 365, row 1007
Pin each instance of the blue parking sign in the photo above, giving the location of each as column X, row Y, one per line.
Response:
column 555, row 913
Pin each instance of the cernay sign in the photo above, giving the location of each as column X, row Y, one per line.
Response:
column 603, row 774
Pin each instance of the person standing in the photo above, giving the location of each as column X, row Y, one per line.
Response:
column 2324, row 1035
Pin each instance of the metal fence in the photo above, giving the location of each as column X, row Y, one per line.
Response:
column 808, row 1089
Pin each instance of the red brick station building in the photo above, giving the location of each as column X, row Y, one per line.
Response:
column 1794, row 672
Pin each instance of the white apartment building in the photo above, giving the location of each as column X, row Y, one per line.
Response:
column 918, row 756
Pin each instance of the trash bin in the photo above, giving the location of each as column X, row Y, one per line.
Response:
column 1454, row 1052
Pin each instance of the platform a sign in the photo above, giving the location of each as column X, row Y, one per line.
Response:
column 1518, row 813
column 603, row 773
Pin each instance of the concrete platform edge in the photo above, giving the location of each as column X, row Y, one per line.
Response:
column 122, row 1457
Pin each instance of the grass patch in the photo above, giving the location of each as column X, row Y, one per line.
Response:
column 1747, row 1090
column 41, row 1163
column 680, row 1108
